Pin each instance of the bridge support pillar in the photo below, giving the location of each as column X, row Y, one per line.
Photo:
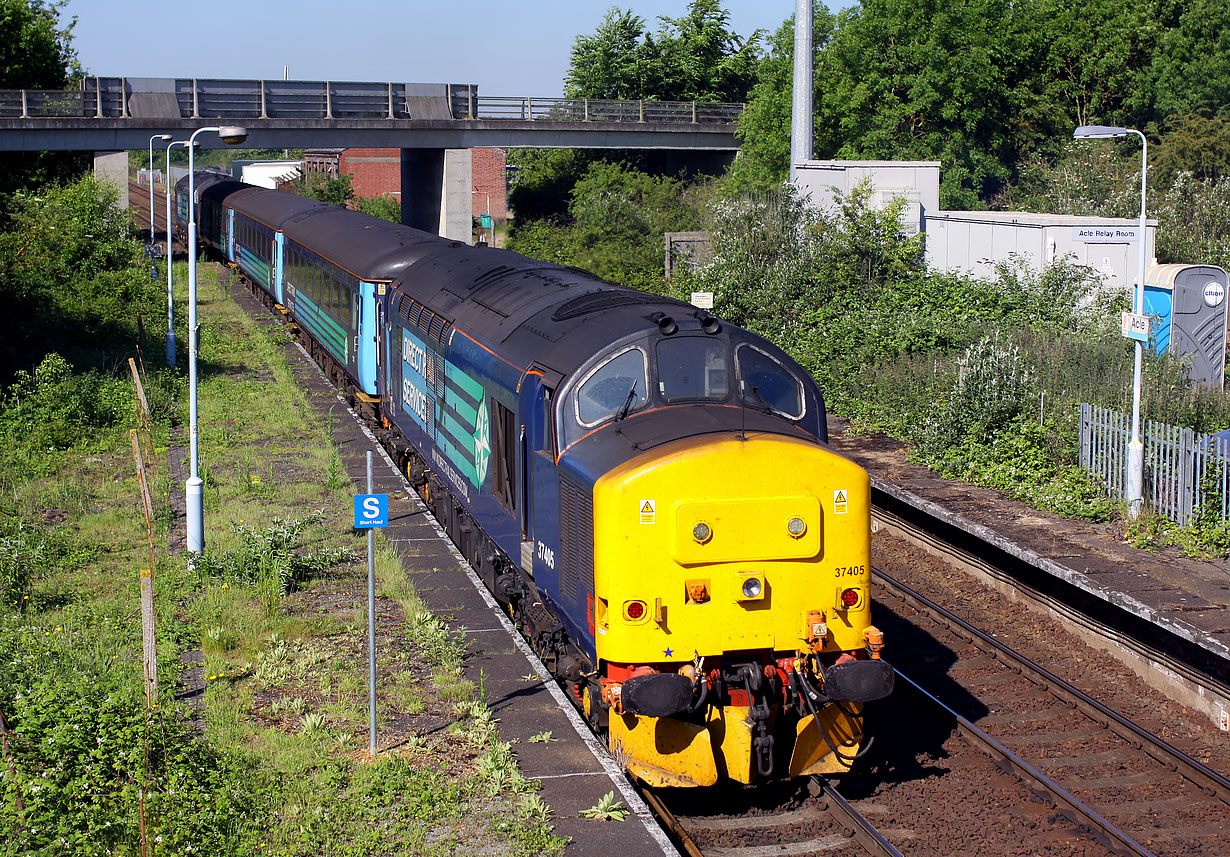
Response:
column 435, row 191
column 113, row 167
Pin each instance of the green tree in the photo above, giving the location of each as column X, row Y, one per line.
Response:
column 1094, row 63
column 764, row 126
column 1190, row 70
column 71, row 278
column 609, row 63
column 695, row 57
column 36, row 52
column 1199, row 144
column 317, row 184
column 935, row 80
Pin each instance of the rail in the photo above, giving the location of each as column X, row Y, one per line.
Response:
column 193, row 98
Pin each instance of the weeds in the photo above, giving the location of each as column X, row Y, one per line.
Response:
column 268, row 559
column 607, row 809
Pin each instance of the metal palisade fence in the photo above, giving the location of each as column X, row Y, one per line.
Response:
column 1184, row 469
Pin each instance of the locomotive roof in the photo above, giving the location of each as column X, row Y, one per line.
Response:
column 270, row 207
column 366, row 246
column 202, row 179
column 532, row 310
column 219, row 189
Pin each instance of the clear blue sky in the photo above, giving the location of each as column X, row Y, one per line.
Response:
column 512, row 47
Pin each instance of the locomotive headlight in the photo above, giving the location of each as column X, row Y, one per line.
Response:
column 796, row 527
column 751, row 586
column 701, row 532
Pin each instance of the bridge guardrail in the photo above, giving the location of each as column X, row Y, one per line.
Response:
column 602, row 110
column 117, row 98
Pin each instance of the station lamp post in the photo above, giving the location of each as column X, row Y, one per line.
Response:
column 1136, row 446
column 149, row 178
column 232, row 136
column 170, row 288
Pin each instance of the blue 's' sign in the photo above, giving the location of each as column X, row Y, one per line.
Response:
column 371, row 510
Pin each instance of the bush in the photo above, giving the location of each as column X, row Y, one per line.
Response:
column 384, row 207
column 53, row 409
column 21, row 557
column 269, row 559
column 82, row 746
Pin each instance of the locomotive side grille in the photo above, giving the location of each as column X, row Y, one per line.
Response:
column 568, row 540
column 576, row 540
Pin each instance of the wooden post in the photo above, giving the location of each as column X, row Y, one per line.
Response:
column 149, row 644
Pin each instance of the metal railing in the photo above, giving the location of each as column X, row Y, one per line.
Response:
column 193, row 98
column 603, row 110
column 1184, row 469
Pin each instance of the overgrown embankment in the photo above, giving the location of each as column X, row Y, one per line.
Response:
column 982, row 379
column 270, row 624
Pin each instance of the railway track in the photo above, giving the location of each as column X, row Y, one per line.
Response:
column 138, row 207
column 984, row 750
column 1139, row 793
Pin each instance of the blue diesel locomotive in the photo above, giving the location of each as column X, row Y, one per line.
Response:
column 647, row 490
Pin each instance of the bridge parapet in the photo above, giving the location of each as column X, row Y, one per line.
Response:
column 192, row 98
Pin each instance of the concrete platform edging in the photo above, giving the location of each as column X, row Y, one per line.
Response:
column 1122, row 600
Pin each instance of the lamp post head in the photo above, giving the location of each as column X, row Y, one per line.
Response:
column 163, row 137
column 1099, row 132
column 232, row 135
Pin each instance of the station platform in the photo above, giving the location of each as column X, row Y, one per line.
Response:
column 575, row 771
column 1177, row 596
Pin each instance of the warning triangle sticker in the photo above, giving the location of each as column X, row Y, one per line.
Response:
column 647, row 508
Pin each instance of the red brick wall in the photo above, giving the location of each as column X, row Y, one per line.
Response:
column 488, row 170
column 377, row 172
column 374, row 172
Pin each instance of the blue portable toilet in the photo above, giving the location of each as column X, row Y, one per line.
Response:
column 1187, row 305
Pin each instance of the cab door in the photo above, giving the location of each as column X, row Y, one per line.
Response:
column 539, row 511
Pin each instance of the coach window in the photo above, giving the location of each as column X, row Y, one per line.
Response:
column 692, row 367
column 619, row 382
column 766, row 382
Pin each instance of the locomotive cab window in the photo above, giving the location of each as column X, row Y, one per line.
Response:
column 692, row 367
column 765, row 382
column 621, row 380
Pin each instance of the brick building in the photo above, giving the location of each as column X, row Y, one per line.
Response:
column 377, row 172
column 490, row 184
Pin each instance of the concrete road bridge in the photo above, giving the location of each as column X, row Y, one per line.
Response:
column 434, row 126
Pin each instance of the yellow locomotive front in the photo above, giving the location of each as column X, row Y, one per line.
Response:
column 732, row 609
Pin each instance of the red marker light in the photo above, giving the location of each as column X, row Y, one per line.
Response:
column 850, row 598
column 635, row 610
